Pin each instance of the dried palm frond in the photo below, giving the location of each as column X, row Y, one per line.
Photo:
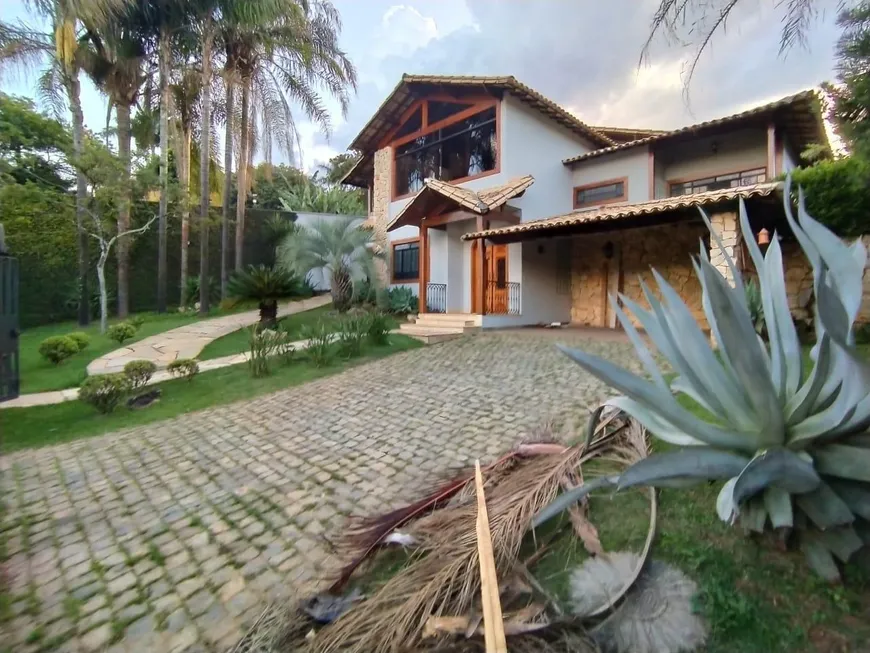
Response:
column 446, row 580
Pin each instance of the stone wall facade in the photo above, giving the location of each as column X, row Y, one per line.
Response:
column 380, row 216
column 725, row 226
column 667, row 248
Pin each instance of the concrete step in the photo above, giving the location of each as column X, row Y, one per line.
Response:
column 446, row 324
column 470, row 319
column 430, row 335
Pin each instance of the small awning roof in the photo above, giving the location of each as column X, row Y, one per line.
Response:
column 436, row 195
column 612, row 213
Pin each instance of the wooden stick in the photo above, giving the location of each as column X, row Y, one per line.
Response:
column 493, row 624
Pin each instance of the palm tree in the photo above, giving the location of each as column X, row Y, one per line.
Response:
column 340, row 249
column 287, row 53
column 113, row 58
column 25, row 47
column 207, row 33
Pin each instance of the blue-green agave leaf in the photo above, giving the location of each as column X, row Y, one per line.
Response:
column 842, row 542
column 572, row 496
column 640, row 347
column 819, row 557
column 753, row 516
column 800, row 404
column 726, row 508
column 792, row 360
column 655, row 423
column 735, row 272
column 778, row 504
column 855, row 495
column 654, row 399
column 824, row 508
column 778, row 468
column 843, row 461
column 693, row 463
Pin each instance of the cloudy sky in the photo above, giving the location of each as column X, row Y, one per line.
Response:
column 581, row 53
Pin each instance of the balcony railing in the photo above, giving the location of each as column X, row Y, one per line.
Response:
column 503, row 298
column 436, row 297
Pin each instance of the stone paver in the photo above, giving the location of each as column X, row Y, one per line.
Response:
column 173, row 536
column 188, row 340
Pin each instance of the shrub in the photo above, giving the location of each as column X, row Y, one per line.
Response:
column 284, row 348
column 139, row 372
column 365, row 293
column 121, row 332
column 263, row 343
column 402, row 300
column 183, row 368
column 377, row 326
column 755, row 306
column 838, row 193
column 191, row 290
column 57, row 349
column 105, row 391
column 81, row 339
column 136, row 320
column 788, row 440
column 351, row 333
column 319, row 347
column 266, row 286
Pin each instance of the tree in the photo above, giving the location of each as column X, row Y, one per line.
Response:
column 33, row 146
column 696, row 22
column 113, row 59
column 851, row 95
column 340, row 249
column 26, row 47
column 285, row 51
column 270, row 182
column 337, row 168
column 107, row 177
column 316, row 199
column 207, row 30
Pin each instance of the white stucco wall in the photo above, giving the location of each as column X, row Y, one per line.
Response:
column 742, row 149
column 455, row 257
column 633, row 163
column 438, row 243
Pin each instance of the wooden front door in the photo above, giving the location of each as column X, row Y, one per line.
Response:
column 497, row 277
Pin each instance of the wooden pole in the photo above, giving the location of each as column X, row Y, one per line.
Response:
column 423, row 267
column 493, row 623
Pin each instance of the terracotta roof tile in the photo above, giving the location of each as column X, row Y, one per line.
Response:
column 479, row 202
column 402, row 97
column 621, row 211
column 807, row 100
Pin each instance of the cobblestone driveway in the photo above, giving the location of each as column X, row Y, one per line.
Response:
column 172, row 536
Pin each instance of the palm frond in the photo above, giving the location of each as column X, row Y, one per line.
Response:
column 50, row 90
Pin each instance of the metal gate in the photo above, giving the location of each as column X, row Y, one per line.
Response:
column 9, row 379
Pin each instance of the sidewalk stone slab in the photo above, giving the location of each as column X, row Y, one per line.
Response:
column 167, row 528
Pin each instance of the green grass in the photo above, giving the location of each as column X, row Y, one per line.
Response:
column 239, row 341
column 38, row 375
column 42, row 425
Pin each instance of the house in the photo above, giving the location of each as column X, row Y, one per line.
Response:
column 500, row 208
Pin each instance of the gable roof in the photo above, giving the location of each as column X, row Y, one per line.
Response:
column 800, row 114
column 413, row 87
column 627, row 134
column 480, row 202
column 623, row 211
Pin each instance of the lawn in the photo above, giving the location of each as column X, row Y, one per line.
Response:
column 23, row 428
column 239, row 341
column 38, row 375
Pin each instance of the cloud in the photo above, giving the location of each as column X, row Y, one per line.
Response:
column 584, row 55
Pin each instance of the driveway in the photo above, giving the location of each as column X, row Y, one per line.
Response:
column 173, row 536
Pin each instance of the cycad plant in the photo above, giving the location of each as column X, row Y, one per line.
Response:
column 790, row 440
column 339, row 248
column 265, row 285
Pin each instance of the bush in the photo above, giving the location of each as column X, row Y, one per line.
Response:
column 121, row 332
column 266, row 286
column 319, row 348
column 402, row 300
column 57, row 349
column 263, row 343
column 365, row 293
column 139, row 372
column 191, row 289
column 183, row 368
column 136, row 320
column 81, row 339
column 351, row 334
column 377, row 326
column 837, row 194
column 105, row 391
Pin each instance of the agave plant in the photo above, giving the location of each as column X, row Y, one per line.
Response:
column 789, row 440
column 755, row 306
column 265, row 285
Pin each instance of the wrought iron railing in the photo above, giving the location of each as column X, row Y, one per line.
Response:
column 436, row 297
column 503, row 298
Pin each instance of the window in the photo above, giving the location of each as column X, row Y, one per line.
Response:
column 719, row 182
column 412, row 124
column 459, row 150
column 606, row 192
column 406, row 261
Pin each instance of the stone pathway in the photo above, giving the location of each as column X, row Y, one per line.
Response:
column 188, row 340
column 172, row 536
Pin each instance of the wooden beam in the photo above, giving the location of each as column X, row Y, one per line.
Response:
column 493, row 622
column 651, row 165
column 479, row 292
column 771, row 151
column 423, row 265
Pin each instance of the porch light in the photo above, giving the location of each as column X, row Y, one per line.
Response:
column 764, row 237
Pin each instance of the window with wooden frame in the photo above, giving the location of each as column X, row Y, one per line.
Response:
column 601, row 192
column 406, row 260
column 718, row 182
column 446, row 139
